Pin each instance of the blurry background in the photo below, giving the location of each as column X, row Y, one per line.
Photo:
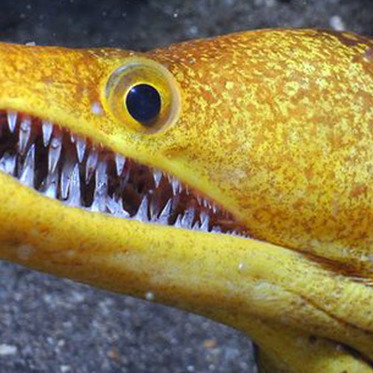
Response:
column 52, row 325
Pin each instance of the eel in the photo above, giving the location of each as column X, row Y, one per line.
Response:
column 231, row 177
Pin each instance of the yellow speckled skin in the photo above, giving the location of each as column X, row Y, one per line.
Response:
column 277, row 127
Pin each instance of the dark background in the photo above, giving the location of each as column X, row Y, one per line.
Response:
column 52, row 325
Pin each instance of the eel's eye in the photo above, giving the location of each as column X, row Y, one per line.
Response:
column 143, row 103
column 143, row 95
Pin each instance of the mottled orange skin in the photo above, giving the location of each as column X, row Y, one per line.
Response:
column 276, row 126
column 300, row 110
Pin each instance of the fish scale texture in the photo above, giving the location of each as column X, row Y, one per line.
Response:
column 52, row 325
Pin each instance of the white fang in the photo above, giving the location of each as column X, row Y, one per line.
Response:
column 12, row 121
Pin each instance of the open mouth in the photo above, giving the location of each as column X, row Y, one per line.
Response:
column 74, row 170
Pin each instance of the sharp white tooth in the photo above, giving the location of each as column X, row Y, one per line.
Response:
column 51, row 184
column 142, row 212
column 27, row 176
column 8, row 163
column 80, row 148
column 214, row 208
column 67, row 170
column 73, row 138
column 196, row 225
column 115, row 207
column 54, row 151
column 101, row 176
column 178, row 221
column 204, row 221
column 157, row 175
column 91, row 164
column 120, row 161
column 165, row 214
column 12, row 120
column 154, row 210
column 47, row 128
column 188, row 218
column 100, row 193
column 216, row 229
column 24, row 135
column 175, row 185
column 199, row 200
column 74, row 190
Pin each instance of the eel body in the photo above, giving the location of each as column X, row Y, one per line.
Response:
column 231, row 177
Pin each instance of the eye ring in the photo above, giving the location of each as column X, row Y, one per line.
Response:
column 143, row 95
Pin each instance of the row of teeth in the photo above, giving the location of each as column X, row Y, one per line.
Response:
column 63, row 178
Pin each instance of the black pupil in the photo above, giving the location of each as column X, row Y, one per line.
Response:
column 143, row 103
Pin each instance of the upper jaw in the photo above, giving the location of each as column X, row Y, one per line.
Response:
column 55, row 93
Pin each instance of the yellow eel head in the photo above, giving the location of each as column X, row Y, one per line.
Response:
column 232, row 177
